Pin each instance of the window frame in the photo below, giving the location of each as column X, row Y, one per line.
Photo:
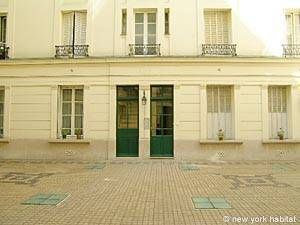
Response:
column 3, row 31
column 124, row 22
column 145, row 25
column 73, row 114
column 228, row 12
column 232, row 112
column 287, row 131
column 3, row 114
column 294, row 39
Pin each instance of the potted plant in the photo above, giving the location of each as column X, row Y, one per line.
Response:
column 220, row 134
column 280, row 134
column 78, row 133
column 64, row 134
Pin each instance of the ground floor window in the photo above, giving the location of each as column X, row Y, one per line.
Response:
column 219, row 112
column 71, row 113
column 278, row 116
column 1, row 113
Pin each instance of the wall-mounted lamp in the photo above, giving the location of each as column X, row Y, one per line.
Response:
column 144, row 99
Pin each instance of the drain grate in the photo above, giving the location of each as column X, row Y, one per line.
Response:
column 46, row 199
column 189, row 167
column 210, row 203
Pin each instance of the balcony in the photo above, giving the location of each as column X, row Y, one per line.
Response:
column 219, row 49
column 71, row 51
column 146, row 50
column 291, row 50
column 3, row 51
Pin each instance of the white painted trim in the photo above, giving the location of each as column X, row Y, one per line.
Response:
column 264, row 112
column 203, row 112
column 7, row 105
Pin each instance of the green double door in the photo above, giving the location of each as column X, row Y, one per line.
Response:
column 127, row 121
column 161, row 140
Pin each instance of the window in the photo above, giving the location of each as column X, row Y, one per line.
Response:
column 293, row 27
column 71, row 111
column 167, row 21
column 219, row 111
column 3, row 20
column 217, row 26
column 74, row 28
column 124, row 21
column 278, row 117
column 1, row 113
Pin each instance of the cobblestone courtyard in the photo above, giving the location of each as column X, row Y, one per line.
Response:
column 152, row 192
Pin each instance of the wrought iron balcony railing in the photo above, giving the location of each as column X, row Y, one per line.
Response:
column 291, row 50
column 219, row 49
column 71, row 51
column 3, row 51
column 148, row 49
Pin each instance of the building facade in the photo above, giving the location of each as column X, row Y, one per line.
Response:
column 196, row 79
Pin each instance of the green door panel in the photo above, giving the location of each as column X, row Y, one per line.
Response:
column 161, row 141
column 127, row 121
column 127, row 142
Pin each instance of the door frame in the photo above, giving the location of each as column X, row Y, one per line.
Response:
column 173, row 116
column 138, row 116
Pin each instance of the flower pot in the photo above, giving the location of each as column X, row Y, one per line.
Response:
column 280, row 137
column 221, row 138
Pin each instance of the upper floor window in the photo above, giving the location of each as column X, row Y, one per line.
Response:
column 3, row 21
column 74, row 28
column 293, row 27
column 73, row 35
column 219, row 112
column 167, row 21
column 217, row 26
column 145, row 34
column 1, row 112
column 278, row 116
column 71, row 113
column 124, row 22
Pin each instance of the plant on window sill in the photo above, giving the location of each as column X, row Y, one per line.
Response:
column 64, row 134
column 280, row 134
column 220, row 134
column 78, row 133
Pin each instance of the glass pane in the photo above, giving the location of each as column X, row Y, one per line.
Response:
column 162, row 91
column 66, row 131
column 1, row 95
column 67, row 108
column 132, row 114
column 156, row 108
column 139, row 18
column 167, row 107
column 122, row 114
column 139, row 40
column 79, row 108
column 67, row 94
column 152, row 41
column 128, row 91
column 168, row 132
column 79, row 95
column 1, row 121
column 66, row 121
column 151, row 28
column 151, row 17
column 139, row 28
column 78, row 122
column 167, row 121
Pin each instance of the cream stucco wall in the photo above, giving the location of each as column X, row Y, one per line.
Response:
column 258, row 28
column 32, row 104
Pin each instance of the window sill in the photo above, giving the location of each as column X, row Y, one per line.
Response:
column 235, row 142
column 285, row 141
column 4, row 140
column 68, row 141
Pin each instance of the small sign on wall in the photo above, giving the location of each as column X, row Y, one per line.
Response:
column 146, row 123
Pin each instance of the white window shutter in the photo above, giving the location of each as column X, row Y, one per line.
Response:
column 67, row 28
column 219, row 115
column 278, row 117
column 297, row 28
column 80, row 28
column 289, row 25
column 217, row 26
